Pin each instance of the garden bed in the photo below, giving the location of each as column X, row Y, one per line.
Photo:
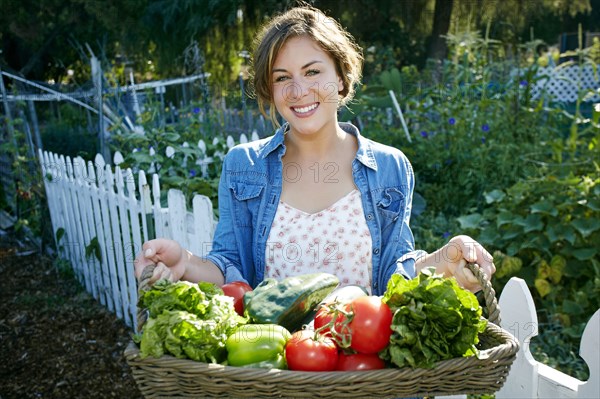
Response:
column 57, row 341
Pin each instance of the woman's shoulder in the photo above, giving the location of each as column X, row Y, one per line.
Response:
column 383, row 153
column 373, row 149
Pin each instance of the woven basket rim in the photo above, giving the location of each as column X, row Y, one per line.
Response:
column 507, row 348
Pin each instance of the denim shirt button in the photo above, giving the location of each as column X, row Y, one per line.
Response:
column 395, row 218
column 376, row 251
column 370, row 216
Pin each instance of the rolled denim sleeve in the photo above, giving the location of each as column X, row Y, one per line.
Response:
column 229, row 270
column 406, row 263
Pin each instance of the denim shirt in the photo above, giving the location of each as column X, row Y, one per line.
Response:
column 249, row 192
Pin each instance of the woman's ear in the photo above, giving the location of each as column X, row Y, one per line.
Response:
column 340, row 85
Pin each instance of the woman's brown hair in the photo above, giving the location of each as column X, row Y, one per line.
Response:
column 325, row 31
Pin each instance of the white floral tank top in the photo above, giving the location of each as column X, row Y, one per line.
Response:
column 335, row 240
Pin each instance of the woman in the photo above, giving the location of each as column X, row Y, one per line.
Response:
column 316, row 196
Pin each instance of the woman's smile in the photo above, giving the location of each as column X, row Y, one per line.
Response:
column 305, row 111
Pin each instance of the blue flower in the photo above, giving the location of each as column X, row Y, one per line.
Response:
column 523, row 83
column 424, row 133
column 448, row 161
column 482, row 140
column 192, row 173
column 446, row 234
column 196, row 110
column 485, row 127
column 452, row 121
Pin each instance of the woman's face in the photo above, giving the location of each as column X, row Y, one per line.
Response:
column 306, row 86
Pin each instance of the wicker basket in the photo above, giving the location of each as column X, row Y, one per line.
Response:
column 172, row 377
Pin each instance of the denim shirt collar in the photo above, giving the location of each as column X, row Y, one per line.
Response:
column 364, row 154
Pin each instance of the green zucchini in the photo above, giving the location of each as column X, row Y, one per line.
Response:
column 290, row 301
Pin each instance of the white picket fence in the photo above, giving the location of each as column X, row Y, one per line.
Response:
column 101, row 218
column 105, row 211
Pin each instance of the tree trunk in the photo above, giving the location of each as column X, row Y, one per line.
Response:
column 441, row 23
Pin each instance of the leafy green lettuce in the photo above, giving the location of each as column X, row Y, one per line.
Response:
column 434, row 319
column 183, row 295
column 187, row 320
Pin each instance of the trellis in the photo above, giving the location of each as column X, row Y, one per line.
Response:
column 564, row 84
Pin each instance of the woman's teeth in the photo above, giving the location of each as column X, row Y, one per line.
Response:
column 306, row 109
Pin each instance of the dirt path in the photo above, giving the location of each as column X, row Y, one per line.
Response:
column 56, row 340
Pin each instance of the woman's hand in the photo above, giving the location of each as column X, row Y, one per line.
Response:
column 452, row 258
column 461, row 250
column 169, row 257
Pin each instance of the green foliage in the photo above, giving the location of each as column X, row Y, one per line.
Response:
column 28, row 204
column 93, row 250
column 68, row 132
column 546, row 231
column 159, row 148
column 468, row 120
column 559, row 350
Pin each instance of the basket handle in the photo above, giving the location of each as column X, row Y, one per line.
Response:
column 488, row 293
column 143, row 285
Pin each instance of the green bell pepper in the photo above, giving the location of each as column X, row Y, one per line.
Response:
column 257, row 345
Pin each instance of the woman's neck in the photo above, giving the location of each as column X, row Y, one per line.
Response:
column 318, row 146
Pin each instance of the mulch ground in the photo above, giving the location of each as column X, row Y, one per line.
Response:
column 56, row 340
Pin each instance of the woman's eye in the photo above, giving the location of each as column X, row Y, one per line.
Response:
column 312, row 72
column 280, row 78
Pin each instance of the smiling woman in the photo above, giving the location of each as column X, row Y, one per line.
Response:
column 328, row 199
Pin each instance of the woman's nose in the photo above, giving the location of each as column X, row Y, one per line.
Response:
column 296, row 90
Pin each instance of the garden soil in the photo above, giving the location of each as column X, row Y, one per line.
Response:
column 56, row 341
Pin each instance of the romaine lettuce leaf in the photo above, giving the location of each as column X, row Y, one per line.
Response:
column 434, row 319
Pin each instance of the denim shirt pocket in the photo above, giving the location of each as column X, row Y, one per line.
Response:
column 246, row 202
column 390, row 206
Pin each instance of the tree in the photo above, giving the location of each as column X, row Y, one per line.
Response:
column 441, row 23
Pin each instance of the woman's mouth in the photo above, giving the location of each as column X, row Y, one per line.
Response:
column 305, row 110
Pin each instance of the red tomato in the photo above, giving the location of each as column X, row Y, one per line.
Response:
column 370, row 327
column 236, row 290
column 359, row 361
column 304, row 353
column 324, row 317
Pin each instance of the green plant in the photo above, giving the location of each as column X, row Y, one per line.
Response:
column 28, row 202
column 552, row 225
column 160, row 149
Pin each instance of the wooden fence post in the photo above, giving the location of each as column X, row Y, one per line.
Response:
column 530, row 379
column 590, row 352
column 519, row 318
column 203, row 225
